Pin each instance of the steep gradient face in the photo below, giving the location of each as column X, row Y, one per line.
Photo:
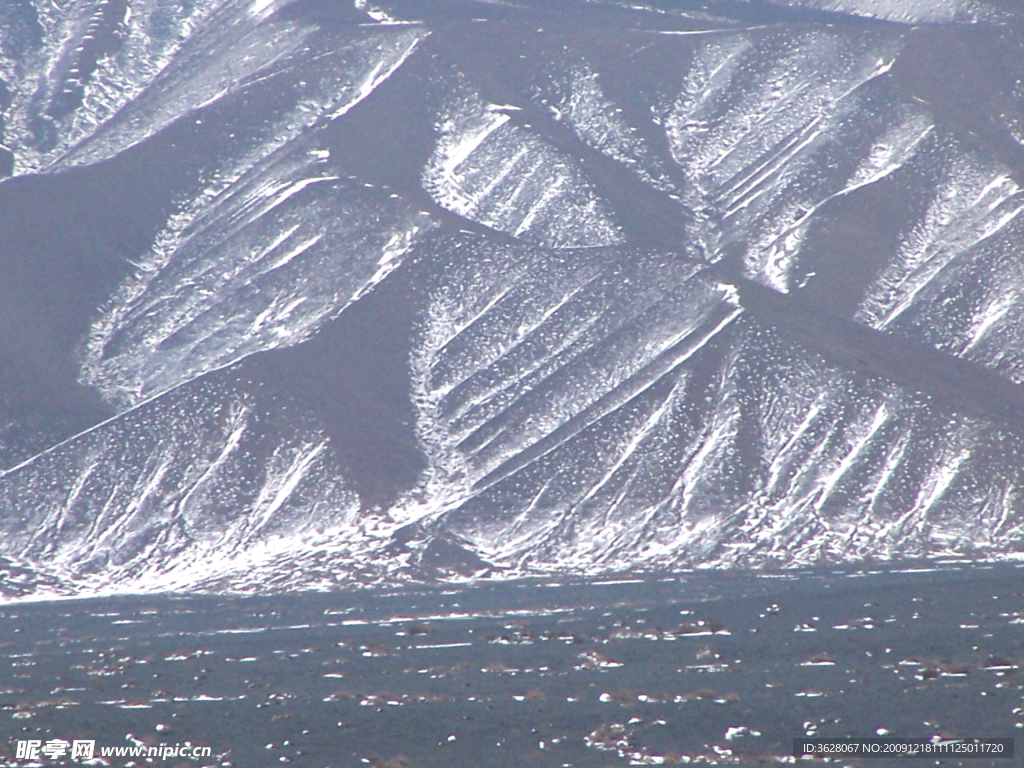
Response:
column 305, row 293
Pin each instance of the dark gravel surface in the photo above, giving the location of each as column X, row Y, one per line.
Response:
column 711, row 668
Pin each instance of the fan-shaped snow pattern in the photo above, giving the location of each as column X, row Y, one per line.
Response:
column 273, row 247
column 953, row 278
column 326, row 74
column 576, row 97
column 522, row 345
column 675, row 431
column 583, row 392
column 160, row 494
column 905, row 11
column 499, row 174
column 87, row 60
column 160, row 63
column 767, row 139
column 255, row 264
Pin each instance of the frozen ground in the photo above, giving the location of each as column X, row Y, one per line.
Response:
column 707, row 668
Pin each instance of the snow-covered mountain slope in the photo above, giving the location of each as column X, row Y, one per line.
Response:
column 300, row 293
column 906, row 11
column 256, row 263
column 647, row 413
column 94, row 78
column 215, row 475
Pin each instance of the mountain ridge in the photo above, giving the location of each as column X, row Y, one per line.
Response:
column 303, row 295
